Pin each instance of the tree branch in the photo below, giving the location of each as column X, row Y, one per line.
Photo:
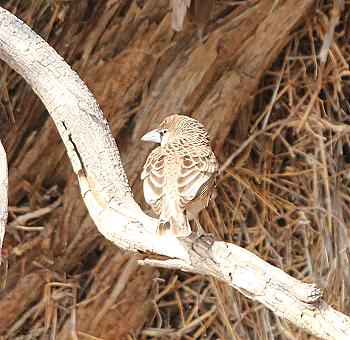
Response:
column 107, row 195
column 3, row 194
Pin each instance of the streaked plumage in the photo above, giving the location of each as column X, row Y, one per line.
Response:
column 179, row 175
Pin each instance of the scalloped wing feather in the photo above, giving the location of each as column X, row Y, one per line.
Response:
column 154, row 181
column 197, row 176
column 170, row 192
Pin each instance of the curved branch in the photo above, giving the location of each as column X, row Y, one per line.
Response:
column 3, row 194
column 107, row 195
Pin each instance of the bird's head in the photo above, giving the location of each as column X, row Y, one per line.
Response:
column 177, row 127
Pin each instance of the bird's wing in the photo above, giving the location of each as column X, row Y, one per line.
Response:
column 197, row 175
column 154, row 179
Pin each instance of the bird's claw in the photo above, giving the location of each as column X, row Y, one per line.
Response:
column 203, row 236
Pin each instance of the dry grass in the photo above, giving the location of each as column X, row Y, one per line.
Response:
column 285, row 196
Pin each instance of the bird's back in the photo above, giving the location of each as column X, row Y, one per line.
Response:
column 173, row 177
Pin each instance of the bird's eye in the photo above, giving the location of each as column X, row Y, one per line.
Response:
column 163, row 132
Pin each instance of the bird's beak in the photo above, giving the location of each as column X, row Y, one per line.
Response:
column 152, row 136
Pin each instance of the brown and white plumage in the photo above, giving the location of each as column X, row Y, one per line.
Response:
column 179, row 175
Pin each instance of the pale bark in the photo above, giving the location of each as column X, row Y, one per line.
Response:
column 107, row 195
column 3, row 194
column 179, row 8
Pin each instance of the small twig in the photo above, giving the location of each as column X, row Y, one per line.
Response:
column 20, row 221
column 195, row 322
column 31, row 228
column 129, row 269
column 275, row 92
column 73, row 314
column 328, row 39
column 233, row 3
column 313, row 99
column 31, row 311
column 237, row 152
column 167, row 288
column 88, row 336
column 170, row 264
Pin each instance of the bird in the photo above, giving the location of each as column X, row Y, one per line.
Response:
column 179, row 175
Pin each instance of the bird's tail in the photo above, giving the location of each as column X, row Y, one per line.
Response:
column 178, row 226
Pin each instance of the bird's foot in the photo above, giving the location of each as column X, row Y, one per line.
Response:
column 202, row 236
